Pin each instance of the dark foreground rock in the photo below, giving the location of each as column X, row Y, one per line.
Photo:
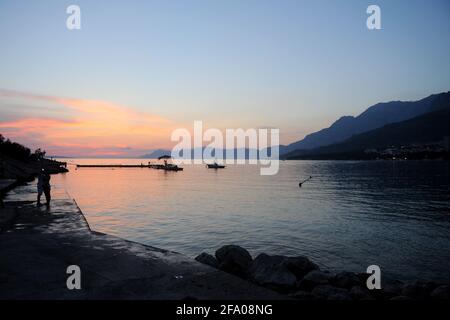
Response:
column 300, row 278
column 270, row 271
column 441, row 293
column 314, row 279
column 280, row 272
column 302, row 295
column 346, row 280
column 25, row 171
column 401, row 298
column 327, row 292
column 361, row 293
column 41, row 244
column 234, row 259
column 208, row 259
column 300, row 266
column 392, row 289
column 418, row 290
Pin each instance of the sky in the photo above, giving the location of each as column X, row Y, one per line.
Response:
column 137, row 70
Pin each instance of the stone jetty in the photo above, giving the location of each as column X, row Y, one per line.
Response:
column 37, row 246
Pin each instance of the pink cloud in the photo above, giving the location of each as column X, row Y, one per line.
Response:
column 91, row 126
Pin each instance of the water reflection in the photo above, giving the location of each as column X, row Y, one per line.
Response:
column 349, row 215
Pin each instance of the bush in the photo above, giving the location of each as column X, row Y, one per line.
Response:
column 17, row 151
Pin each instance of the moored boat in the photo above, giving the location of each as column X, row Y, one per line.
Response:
column 215, row 166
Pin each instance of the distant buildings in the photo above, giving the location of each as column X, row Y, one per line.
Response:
column 413, row 151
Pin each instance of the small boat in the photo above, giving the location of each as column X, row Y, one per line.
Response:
column 168, row 166
column 215, row 166
column 171, row 167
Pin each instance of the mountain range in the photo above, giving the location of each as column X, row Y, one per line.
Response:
column 380, row 125
column 372, row 118
column 430, row 125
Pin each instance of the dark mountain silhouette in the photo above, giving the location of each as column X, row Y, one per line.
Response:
column 431, row 127
column 20, row 163
column 237, row 153
column 155, row 154
column 374, row 117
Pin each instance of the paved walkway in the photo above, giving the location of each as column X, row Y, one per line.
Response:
column 40, row 244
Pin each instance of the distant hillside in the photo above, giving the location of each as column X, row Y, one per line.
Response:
column 155, row 154
column 374, row 117
column 19, row 163
column 431, row 127
column 237, row 153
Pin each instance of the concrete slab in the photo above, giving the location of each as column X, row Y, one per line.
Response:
column 39, row 246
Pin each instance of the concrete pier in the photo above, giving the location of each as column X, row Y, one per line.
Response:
column 39, row 244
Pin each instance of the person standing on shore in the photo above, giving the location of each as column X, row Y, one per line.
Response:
column 43, row 186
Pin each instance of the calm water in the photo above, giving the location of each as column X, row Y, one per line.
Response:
column 350, row 215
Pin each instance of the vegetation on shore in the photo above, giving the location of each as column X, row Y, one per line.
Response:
column 20, row 163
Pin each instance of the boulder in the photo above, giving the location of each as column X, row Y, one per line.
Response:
column 391, row 289
column 340, row 297
column 208, row 259
column 441, row 293
column 270, row 271
column 327, row 292
column 302, row 295
column 401, row 298
column 417, row 289
column 363, row 278
column 346, row 280
column 313, row 279
column 234, row 259
column 299, row 266
column 361, row 293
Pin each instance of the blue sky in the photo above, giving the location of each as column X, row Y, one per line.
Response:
column 295, row 65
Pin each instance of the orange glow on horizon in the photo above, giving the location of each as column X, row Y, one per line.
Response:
column 91, row 127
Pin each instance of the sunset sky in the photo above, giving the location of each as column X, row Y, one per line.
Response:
column 137, row 70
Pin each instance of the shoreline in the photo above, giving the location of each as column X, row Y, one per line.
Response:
column 38, row 245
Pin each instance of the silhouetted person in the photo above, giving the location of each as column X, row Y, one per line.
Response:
column 43, row 186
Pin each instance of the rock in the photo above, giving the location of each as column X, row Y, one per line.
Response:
column 441, row 293
column 299, row 266
column 340, row 297
column 270, row 271
column 346, row 280
column 234, row 259
column 327, row 292
column 208, row 259
column 302, row 295
column 401, row 298
column 417, row 290
column 362, row 276
column 391, row 289
column 313, row 279
column 360, row 293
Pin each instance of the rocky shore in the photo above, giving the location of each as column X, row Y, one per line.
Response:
column 19, row 163
column 38, row 245
column 15, row 172
column 24, row 171
column 300, row 278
